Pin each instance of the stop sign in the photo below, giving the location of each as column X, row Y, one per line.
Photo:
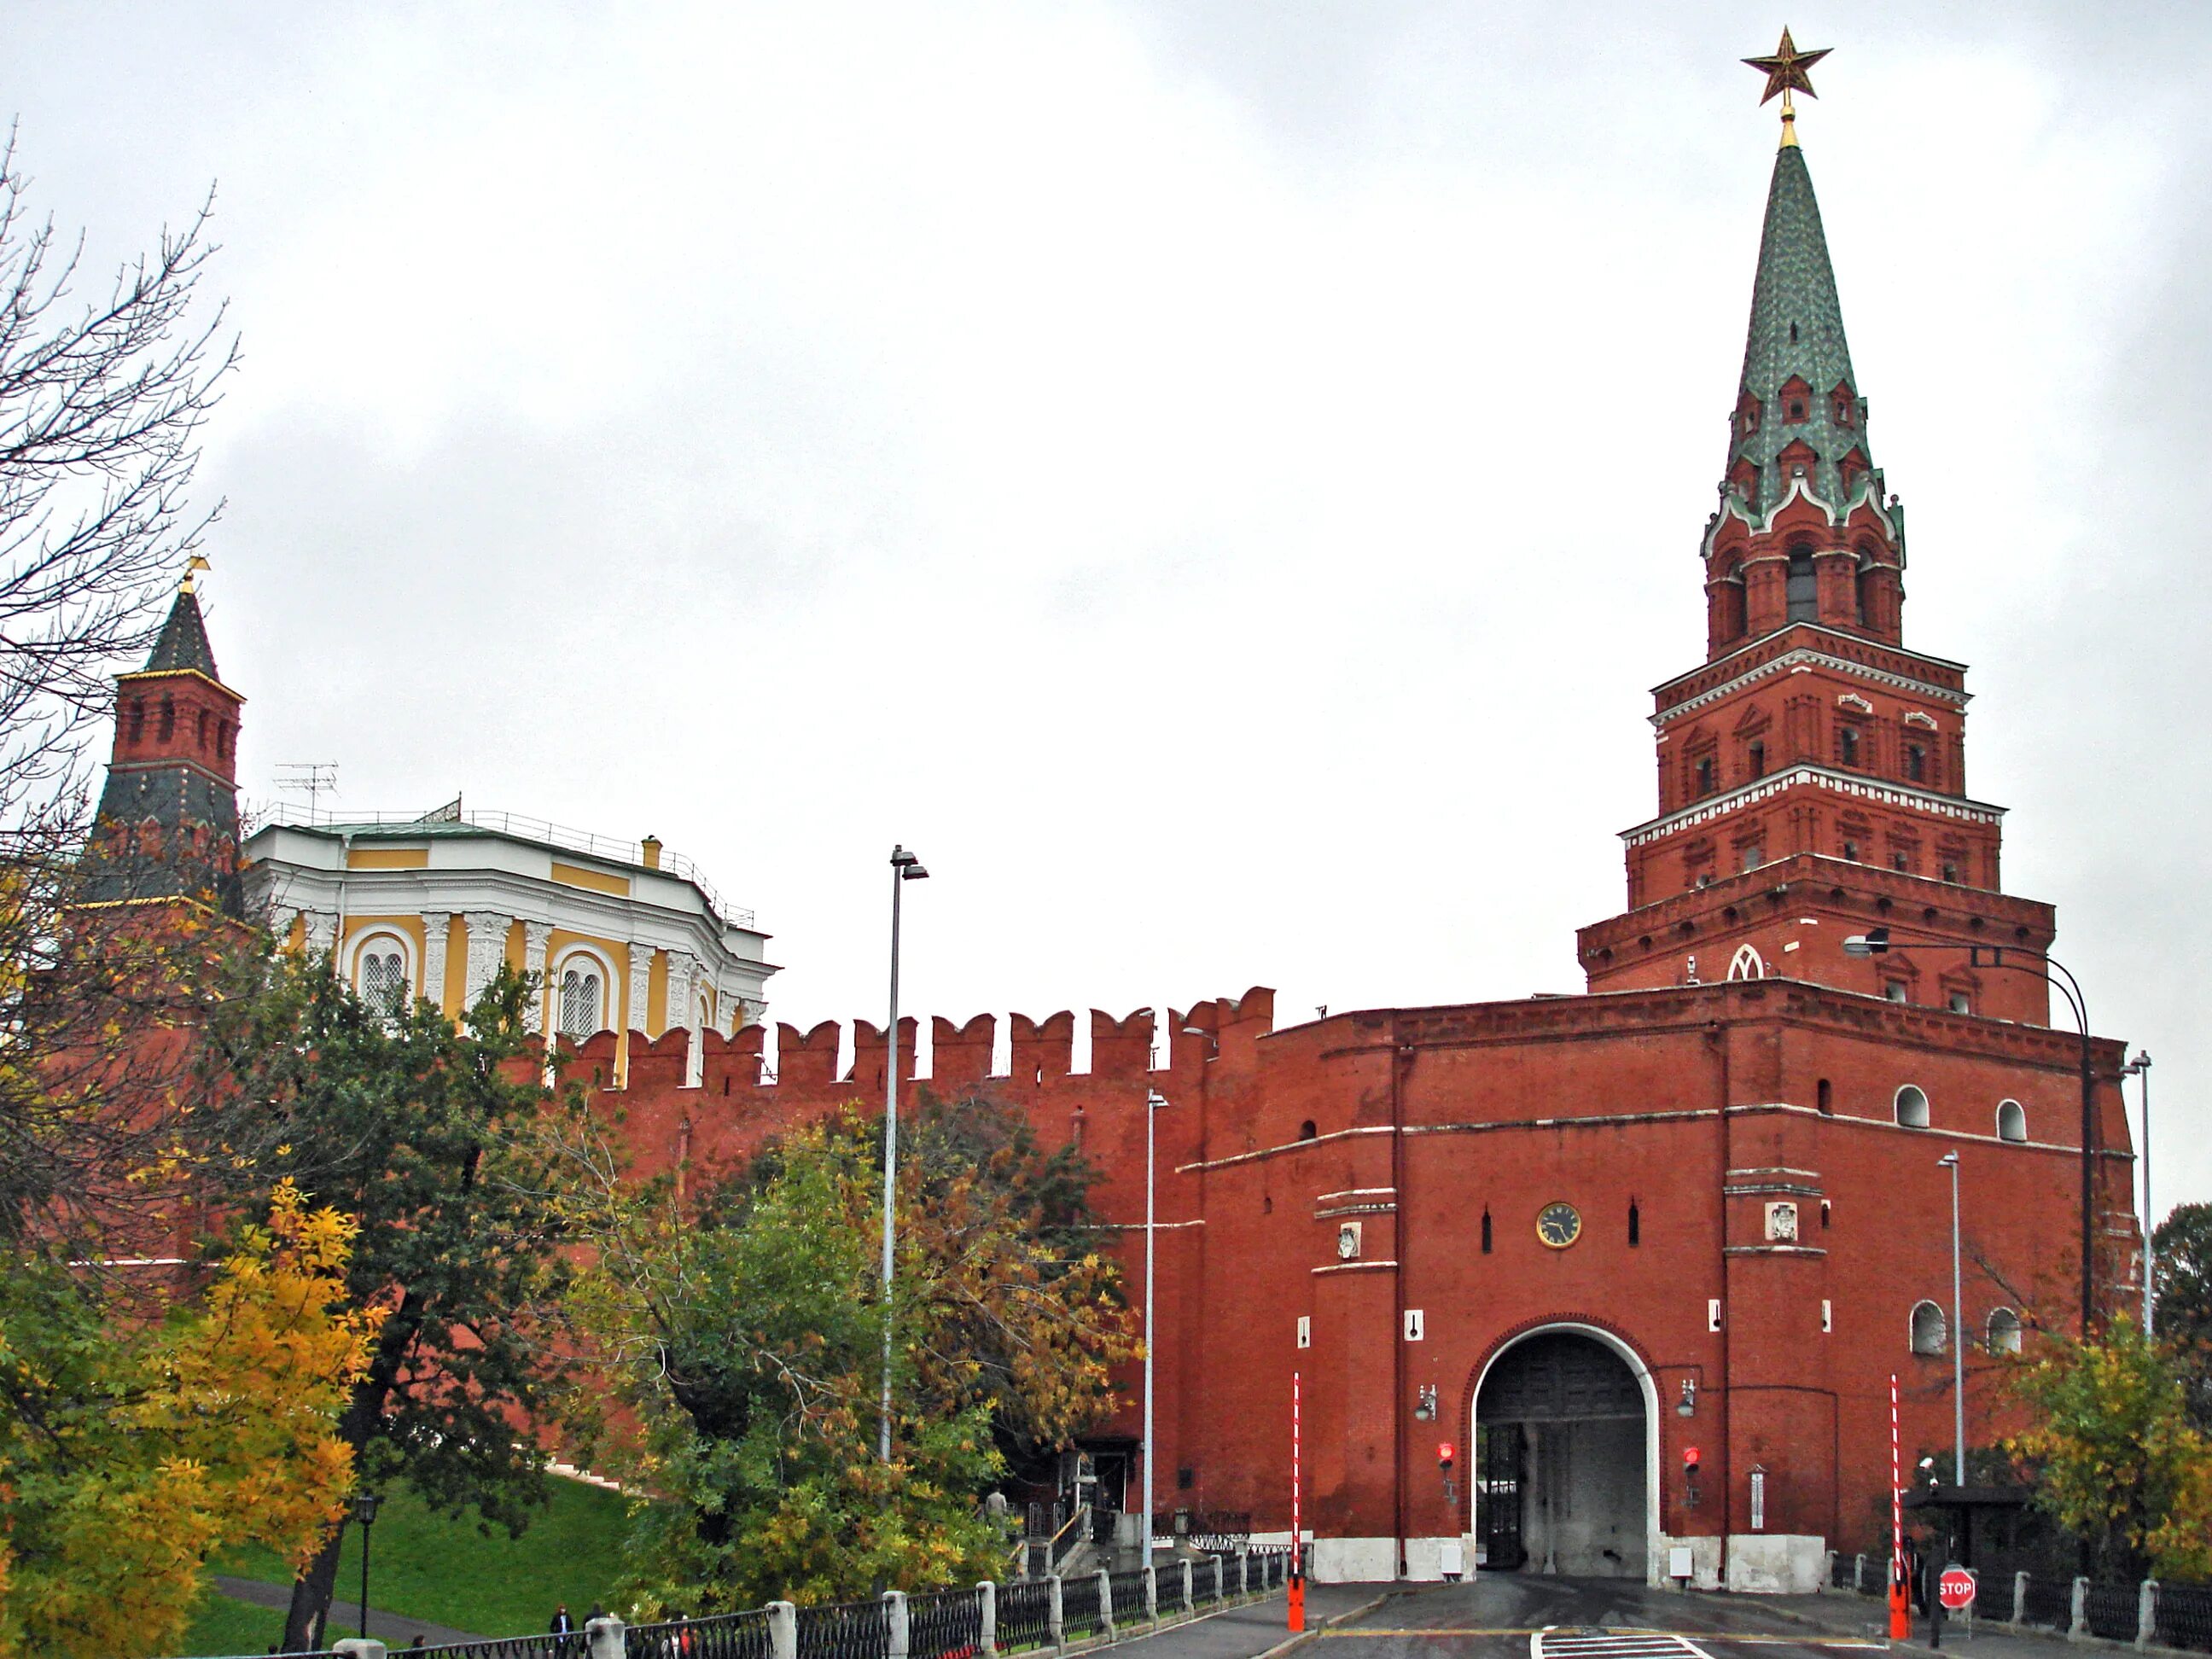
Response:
column 1955, row 1589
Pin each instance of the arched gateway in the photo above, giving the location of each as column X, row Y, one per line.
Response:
column 1564, row 1457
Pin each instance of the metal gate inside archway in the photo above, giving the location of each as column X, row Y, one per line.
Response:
column 1559, row 1471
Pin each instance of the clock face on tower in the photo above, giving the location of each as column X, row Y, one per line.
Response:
column 1559, row 1224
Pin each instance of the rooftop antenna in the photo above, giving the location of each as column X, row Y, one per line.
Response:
column 311, row 778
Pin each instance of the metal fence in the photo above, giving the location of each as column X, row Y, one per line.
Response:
column 1079, row 1612
column 945, row 1625
column 844, row 1630
column 1025, row 1614
column 2049, row 1601
column 2183, row 1616
column 1129, row 1596
column 719, row 1636
column 2111, row 1609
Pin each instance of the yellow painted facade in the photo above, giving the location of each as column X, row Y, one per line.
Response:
column 388, row 858
column 599, row 881
column 456, row 968
column 656, row 996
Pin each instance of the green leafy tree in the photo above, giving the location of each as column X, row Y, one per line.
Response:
column 427, row 1131
column 2182, row 1282
column 2114, row 1459
column 130, row 1451
column 745, row 1334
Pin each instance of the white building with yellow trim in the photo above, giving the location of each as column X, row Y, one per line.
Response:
column 621, row 935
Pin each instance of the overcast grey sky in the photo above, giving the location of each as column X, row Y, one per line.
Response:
column 1219, row 480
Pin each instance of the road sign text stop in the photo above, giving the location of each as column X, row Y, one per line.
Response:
column 1955, row 1589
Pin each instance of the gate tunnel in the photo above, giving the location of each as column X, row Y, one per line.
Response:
column 1562, row 1453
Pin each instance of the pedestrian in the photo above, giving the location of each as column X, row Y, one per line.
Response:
column 563, row 1628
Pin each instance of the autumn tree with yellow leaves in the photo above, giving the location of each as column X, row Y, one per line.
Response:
column 130, row 1451
column 744, row 1328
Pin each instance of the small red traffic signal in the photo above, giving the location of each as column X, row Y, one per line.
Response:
column 1444, row 1454
column 1689, row 1459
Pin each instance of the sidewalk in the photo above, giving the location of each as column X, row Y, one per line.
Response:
column 394, row 1629
column 1842, row 1614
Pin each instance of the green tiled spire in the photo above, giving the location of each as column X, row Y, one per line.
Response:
column 1797, row 333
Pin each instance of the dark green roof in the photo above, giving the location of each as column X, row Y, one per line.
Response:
column 1797, row 333
column 184, row 642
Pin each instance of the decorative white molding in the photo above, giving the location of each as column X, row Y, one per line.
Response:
column 640, row 985
column 486, row 950
column 1915, row 717
column 683, row 1012
column 535, row 937
column 322, row 931
column 1857, row 704
column 437, row 934
column 1803, row 660
column 1843, row 783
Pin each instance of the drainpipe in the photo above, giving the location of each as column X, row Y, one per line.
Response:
column 1717, row 1035
column 338, row 933
column 1402, row 1061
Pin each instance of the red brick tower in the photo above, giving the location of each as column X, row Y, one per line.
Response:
column 168, row 817
column 1812, row 772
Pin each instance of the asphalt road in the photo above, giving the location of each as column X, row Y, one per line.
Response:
column 1512, row 1617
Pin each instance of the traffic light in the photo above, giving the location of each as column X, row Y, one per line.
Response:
column 1444, row 1456
column 1690, row 1463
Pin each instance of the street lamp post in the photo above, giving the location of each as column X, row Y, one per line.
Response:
column 1153, row 1101
column 2140, row 1067
column 1875, row 941
column 905, row 868
column 1950, row 1161
column 364, row 1510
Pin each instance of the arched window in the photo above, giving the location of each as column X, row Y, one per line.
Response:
column 1929, row 1333
column 2012, row 1120
column 1911, row 1107
column 1826, row 1095
column 1803, row 591
column 583, row 997
column 1307, row 1130
column 2003, row 1331
column 379, row 972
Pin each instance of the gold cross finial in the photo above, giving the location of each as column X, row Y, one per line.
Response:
column 1785, row 72
column 193, row 566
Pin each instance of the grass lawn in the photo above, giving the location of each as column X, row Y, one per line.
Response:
column 224, row 1625
column 446, row 1572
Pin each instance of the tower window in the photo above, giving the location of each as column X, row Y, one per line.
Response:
column 1912, row 1102
column 1752, row 856
column 1847, row 745
column 202, row 738
column 1307, row 1130
column 1635, row 1227
column 1485, row 1232
column 2004, row 1331
column 1803, row 590
column 137, row 719
column 1916, row 762
column 1961, row 1002
column 2012, row 1120
column 168, row 720
column 1894, row 990
column 1929, row 1335
column 1901, row 862
column 1757, row 756
column 1851, row 851
column 1825, row 1097
column 1706, row 776
column 223, row 741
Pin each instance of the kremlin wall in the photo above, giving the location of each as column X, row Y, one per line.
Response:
column 1612, row 1283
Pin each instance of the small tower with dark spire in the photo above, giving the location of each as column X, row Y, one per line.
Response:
column 168, row 817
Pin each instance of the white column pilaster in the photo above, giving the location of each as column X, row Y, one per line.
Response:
column 535, row 935
column 640, row 985
column 486, row 950
column 322, row 931
column 683, row 1014
column 437, row 928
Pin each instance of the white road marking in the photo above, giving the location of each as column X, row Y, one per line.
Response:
column 1584, row 1642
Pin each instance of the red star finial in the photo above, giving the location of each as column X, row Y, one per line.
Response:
column 1785, row 70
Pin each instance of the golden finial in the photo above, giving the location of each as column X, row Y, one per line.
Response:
column 1784, row 72
column 193, row 566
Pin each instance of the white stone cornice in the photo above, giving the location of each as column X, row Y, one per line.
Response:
column 1804, row 657
column 1820, row 777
